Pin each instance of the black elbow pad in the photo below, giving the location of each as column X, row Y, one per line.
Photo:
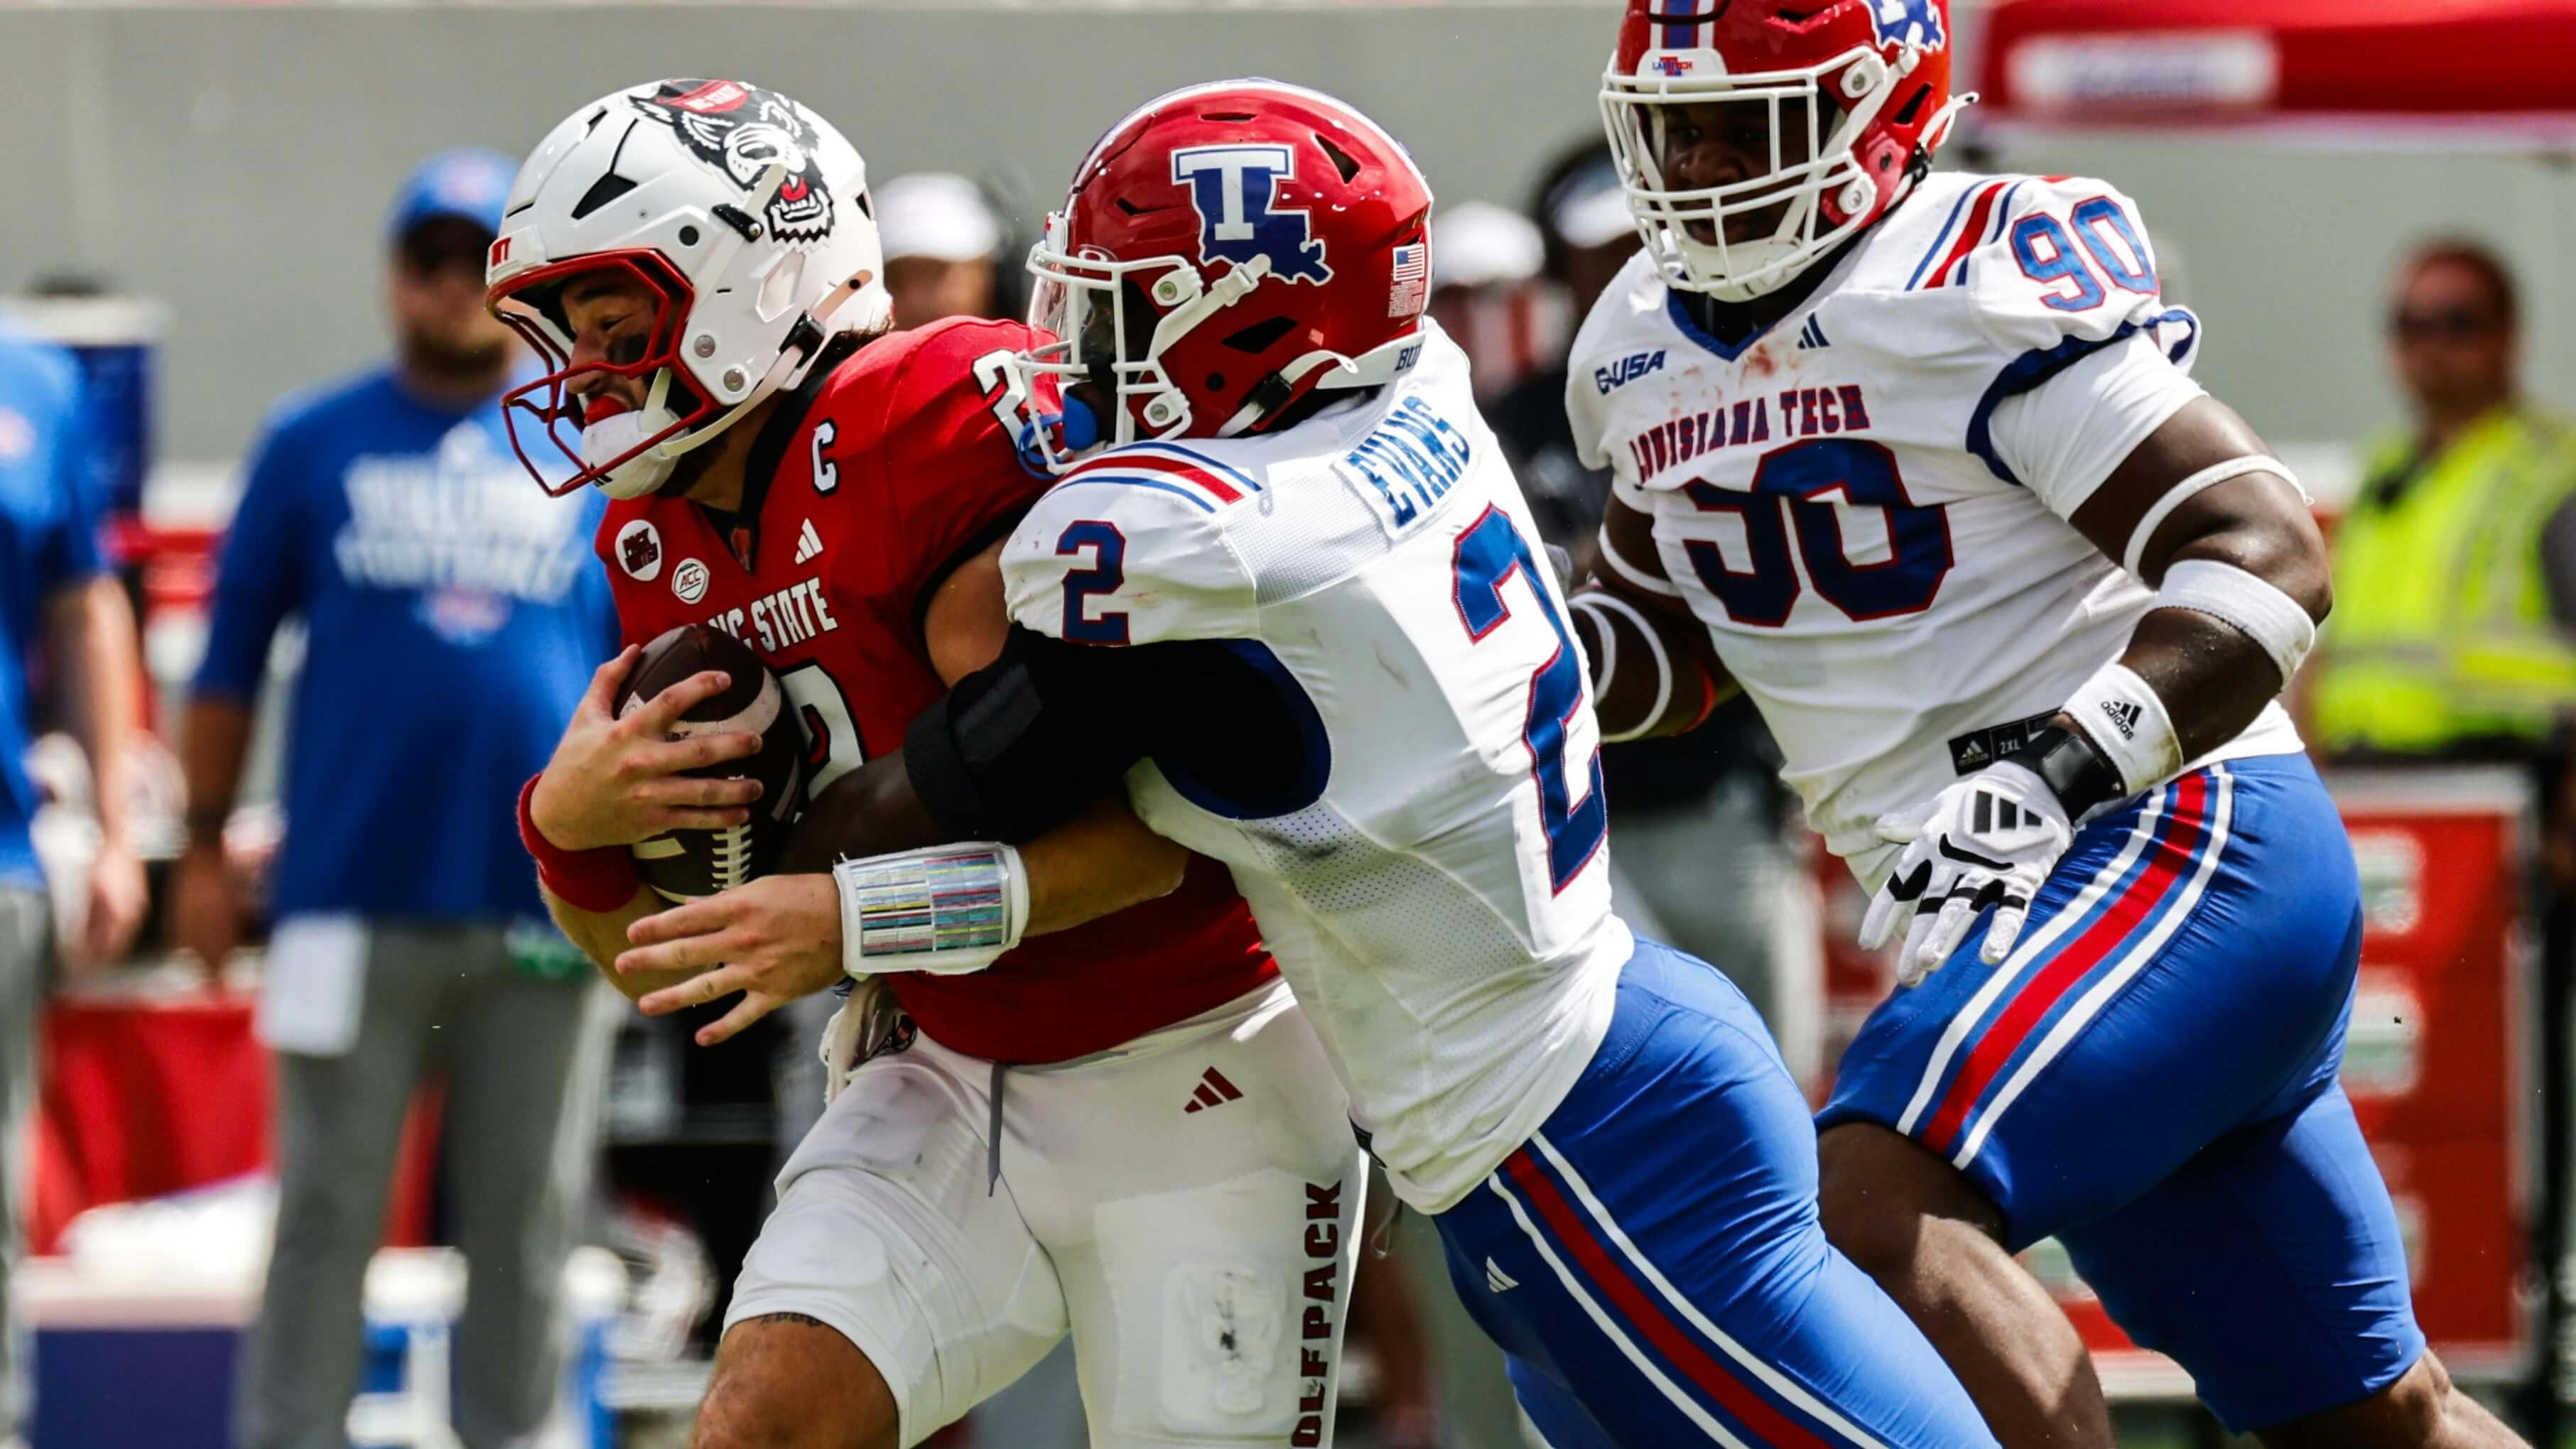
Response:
column 1023, row 744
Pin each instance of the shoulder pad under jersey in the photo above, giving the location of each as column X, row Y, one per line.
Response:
column 1131, row 548
column 1625, row 335
column 2031, row 272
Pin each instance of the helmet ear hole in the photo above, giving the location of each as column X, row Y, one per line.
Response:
column 1342, row 160
column 778, row 289
column 1260, row 337
column 1913, row 106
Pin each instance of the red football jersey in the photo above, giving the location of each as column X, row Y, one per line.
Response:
column 880, row 475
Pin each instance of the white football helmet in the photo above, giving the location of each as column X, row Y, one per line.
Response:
column 746, row 213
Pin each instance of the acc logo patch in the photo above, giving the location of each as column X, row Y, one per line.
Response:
column 689, row 581
column 1235, row 189
column 743, row 130
column 639, row 550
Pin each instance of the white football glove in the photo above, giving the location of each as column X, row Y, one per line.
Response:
column 1989, row 840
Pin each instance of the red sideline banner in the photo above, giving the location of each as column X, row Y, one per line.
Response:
column 150, row 1093
column 2432, row 1061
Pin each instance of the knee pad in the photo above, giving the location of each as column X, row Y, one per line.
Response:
column 1227, row 1303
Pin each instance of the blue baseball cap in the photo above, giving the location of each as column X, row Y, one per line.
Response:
column 466, row 183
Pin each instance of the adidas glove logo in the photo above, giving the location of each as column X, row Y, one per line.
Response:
column 1994, row 812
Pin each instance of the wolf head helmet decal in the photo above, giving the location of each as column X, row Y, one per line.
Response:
column 744, row 130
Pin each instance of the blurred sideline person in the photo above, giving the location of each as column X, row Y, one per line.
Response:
column 2455, row 606
column 2455, row 568
column 452, row 618
column 1484, row 266
column 942, row 245
column 58, row 597
column 1713, row 851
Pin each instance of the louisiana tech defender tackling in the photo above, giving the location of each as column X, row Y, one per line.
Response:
column 1915, row 459
column 1293, row 608
column 947, row 1221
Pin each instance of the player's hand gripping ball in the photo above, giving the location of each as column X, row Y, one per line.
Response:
column 685, row 865
column 1989, row 840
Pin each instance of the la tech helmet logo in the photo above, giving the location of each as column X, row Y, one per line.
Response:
column 1909, row 22
column 1235, row 189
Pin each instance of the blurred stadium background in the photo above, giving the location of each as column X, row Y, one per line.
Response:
column 220, row 173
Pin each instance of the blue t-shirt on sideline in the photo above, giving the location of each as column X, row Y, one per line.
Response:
column 453, row 615
column 48, row 541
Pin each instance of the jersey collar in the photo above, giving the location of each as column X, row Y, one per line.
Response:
column 741, row 533
column 1826, row 277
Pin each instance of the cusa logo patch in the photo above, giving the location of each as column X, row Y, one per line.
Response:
column 1236, row 189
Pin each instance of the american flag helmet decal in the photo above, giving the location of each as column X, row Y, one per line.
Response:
column 1410, row 280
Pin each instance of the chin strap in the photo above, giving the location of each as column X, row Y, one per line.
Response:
column 1376, row 367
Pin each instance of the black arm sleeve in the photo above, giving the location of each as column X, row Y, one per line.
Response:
column 1034, row 738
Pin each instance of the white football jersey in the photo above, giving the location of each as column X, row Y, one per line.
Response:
column 1841, row 497
column 1441, row 901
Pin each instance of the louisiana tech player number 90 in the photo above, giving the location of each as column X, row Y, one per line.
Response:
column 1915, row 459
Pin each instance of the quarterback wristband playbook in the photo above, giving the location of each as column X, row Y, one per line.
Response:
column 948, row 910
column 599, row 881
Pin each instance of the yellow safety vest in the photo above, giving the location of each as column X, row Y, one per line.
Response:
column 2441, row 631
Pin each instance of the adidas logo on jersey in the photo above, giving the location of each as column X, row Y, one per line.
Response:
column 1497, row 1280
column 808, row 542
column 1812, row 336
column 1214, row 1091
column 2124, row 716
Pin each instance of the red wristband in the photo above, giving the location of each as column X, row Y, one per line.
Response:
column 599, row 881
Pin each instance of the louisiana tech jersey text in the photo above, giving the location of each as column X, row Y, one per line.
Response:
column 1832, row 498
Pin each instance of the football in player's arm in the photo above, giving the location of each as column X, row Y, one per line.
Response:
column 1024, row 759
column 2200, row 488
column 616, row 782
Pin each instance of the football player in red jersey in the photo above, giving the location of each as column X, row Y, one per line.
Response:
column 1170, row 1174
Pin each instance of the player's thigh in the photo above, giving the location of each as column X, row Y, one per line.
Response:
column 2187, row 970
column 1205, row 1226
column 1654, row 1253
column 2270, row 1266
column 888, row 1233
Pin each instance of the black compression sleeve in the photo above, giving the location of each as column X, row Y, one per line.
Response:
column 1034, row 738
column 1030, row 740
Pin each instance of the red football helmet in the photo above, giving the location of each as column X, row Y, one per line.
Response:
column 1224, row 251
column 1868, row 80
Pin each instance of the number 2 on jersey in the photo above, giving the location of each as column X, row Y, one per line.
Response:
column 1489, row 552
